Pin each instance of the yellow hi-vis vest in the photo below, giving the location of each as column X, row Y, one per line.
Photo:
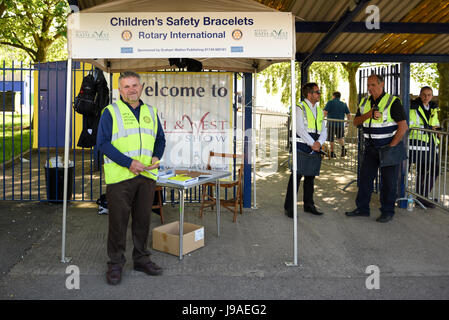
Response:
column 417, row 122
column 133, row 138
column 311, row 124
column 382, row 130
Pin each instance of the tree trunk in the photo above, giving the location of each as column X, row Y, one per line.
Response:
column 351, row 68
column 443, row 91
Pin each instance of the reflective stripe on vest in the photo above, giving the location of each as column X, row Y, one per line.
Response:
column 134, row 138
column 416, row 122
column 380, row 131
column 314, row 129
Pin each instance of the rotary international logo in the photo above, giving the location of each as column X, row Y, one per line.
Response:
column 127, row 35
column 147, row 119
column 237, row 34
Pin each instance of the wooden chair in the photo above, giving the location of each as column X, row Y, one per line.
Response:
column 159, row 205
column 208, row 199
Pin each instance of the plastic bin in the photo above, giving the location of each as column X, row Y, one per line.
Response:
column 54, row 178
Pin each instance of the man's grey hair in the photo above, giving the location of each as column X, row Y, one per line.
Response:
column 128, row 74
column 379, row 78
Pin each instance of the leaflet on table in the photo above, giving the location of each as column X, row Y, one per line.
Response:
column 165, row 174
column 182, row 179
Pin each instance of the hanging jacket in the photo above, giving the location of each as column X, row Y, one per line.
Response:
column 91, row 112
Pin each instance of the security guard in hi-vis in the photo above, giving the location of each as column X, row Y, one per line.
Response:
column 423, row 150
column 383, row 119
column 132, row 140
column 311, row 133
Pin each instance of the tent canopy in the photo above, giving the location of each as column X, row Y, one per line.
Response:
column 224, row 64
column 408, row 31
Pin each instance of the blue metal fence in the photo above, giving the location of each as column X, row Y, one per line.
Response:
column 36, row 129
column 33, row 134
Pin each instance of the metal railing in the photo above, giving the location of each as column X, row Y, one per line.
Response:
column 427, row 168
column 32, row 129
column 267, row 121
column 344, row 147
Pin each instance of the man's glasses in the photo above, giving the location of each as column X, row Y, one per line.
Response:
column 318, row 91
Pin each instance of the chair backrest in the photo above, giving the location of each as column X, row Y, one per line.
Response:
column 239, row 164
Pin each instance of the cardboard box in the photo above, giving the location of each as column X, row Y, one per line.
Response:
column 166, row 238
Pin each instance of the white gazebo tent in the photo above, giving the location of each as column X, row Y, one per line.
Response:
column 256, row 55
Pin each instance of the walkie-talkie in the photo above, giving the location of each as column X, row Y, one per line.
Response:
column 375, row 108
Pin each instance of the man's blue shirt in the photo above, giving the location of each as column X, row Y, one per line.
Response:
column 104, row 136
column 336, row 109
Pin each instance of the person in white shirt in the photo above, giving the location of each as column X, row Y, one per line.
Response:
column 311, row 133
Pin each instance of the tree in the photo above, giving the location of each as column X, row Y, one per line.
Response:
column 443, row 90
column 327, row 75
column 425, row 74
column 34, row 26
column 277, row 77
column 351, row 69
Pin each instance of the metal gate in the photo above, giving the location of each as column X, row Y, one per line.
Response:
column 33, row 131
column 32, row 123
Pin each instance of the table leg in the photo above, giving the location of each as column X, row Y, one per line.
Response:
column 217, row 185
column 181, row 221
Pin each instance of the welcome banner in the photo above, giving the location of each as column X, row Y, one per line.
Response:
column 195, row 110
column 180, row 34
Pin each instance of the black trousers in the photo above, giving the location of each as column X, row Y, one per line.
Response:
column 133, row 197
column 389, row 183
column 308, row 192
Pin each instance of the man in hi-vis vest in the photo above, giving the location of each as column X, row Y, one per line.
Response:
column 423, row 150
column 132, row 140
column 311, row 133
column 384, row 124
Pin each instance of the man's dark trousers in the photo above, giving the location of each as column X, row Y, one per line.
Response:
column 308, row 192
column 130, row 197
column 368, row 173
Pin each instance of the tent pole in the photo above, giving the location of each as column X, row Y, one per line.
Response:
column 254, row 139
column 294, row 167
column 68, row 110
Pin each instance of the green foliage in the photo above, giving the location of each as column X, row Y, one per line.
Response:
column 425, row 74
column 14, row 140
column 38, row 27
column 278, row 77
column 443, row 91
column 325, row 74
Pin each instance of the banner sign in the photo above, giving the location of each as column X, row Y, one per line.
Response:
column 180, row 35
column 195, row 111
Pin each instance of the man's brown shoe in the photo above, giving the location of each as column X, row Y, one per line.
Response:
column 114, row 274
column 149, row 268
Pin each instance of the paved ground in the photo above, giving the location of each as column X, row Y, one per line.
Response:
column 246, row 262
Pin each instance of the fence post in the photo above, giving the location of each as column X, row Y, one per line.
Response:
column 247, row 104
column 405, row 97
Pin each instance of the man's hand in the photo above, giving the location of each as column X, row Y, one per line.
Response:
column 136, row 167
column 154, row 164
column 376, row 114
column 402, row 129
column 316, row 146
